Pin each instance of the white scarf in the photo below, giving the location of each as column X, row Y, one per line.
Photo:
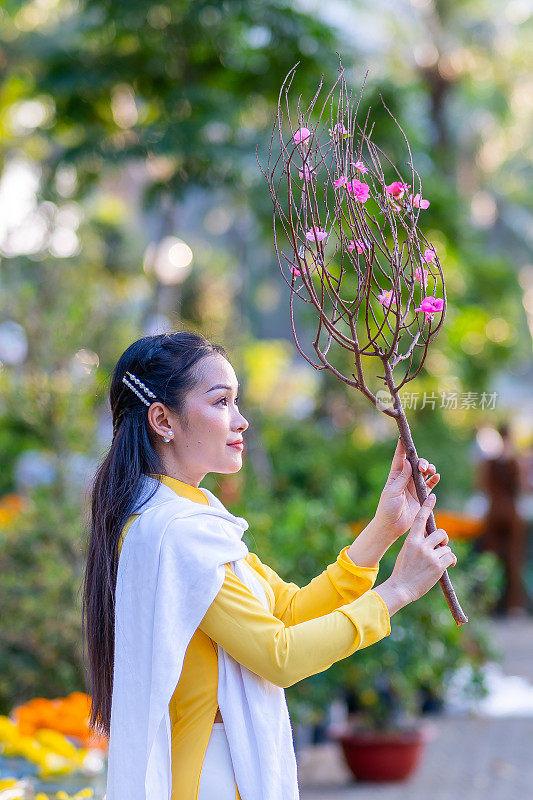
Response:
column 171, row 568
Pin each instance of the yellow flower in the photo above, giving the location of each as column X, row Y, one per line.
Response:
column 11, row 789
column 53, row 764
column 8, row 730
column 7, row 783
column 57, row 742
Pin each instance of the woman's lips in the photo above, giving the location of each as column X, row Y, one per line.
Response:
column 237, row 445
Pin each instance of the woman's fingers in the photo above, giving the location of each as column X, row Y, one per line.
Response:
column 448, row 559
column 437, row 537
column 438, row 541
column 425, row 466
column 444, row 550
column 419, row 523
column 431, row 476
column 398, row 457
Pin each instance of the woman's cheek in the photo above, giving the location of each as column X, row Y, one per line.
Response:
column 214, row 420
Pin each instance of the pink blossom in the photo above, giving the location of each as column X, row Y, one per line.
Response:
column 305, row 173
column 418, row 275
column 338, row 128
column 418, row 202
column 360, row 167
column 429, row 254
column 430, row 305
column 360, row 189
column 340, row 181
column 301, row 135
column 386, row 297
column 313, row 232
column 396, row 189
column 358, row 244
column 295, row 270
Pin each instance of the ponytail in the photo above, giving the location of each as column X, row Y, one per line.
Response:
column 154, row 368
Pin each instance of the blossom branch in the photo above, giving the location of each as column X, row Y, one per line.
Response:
column 354, row 247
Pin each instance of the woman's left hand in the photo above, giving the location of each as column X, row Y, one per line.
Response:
column 398, row 504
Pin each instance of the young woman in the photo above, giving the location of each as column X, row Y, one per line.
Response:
column 191, row 638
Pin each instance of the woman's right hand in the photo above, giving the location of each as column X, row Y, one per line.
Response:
column 420, row 562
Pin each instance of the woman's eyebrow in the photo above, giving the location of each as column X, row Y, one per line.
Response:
column 220, row 386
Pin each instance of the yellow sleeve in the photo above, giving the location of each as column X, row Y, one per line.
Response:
column 282, row 654
column 340, row 583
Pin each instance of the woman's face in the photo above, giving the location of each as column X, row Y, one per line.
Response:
column 212, row 421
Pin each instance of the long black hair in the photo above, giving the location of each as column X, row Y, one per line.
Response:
column 166, row 365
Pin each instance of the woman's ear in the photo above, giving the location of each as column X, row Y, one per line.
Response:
column 158, row 419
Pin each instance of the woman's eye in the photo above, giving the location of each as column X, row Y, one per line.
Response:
column 226, row 399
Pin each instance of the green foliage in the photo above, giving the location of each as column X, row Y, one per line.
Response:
column 41, row 561
column 193, row 82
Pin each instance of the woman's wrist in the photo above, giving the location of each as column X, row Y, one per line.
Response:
column 369, row 547
column 392, row 595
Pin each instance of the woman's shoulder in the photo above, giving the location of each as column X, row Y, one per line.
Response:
column 213, row 499
column 254, row 561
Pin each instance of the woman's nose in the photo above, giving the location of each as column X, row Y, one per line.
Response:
column 243, row 424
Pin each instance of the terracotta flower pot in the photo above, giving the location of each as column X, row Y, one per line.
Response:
column 384, row 756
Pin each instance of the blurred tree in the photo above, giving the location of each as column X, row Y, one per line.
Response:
column 184, row 86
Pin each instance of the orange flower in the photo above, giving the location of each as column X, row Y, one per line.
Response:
column 458, row 526
column 67, row 715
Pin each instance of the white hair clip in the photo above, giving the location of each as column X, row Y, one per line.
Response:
column 141, row 384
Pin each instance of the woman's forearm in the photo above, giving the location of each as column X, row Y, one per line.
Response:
column 369, row 547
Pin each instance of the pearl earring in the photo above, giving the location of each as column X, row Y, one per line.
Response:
column 166, row 439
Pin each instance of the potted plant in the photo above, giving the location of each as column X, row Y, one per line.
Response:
column 389, row 686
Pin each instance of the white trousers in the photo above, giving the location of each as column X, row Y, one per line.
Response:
column 217, row 779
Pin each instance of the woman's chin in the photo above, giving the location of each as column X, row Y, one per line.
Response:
column 229, row 466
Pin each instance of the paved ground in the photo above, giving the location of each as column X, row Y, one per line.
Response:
column 469, row 758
